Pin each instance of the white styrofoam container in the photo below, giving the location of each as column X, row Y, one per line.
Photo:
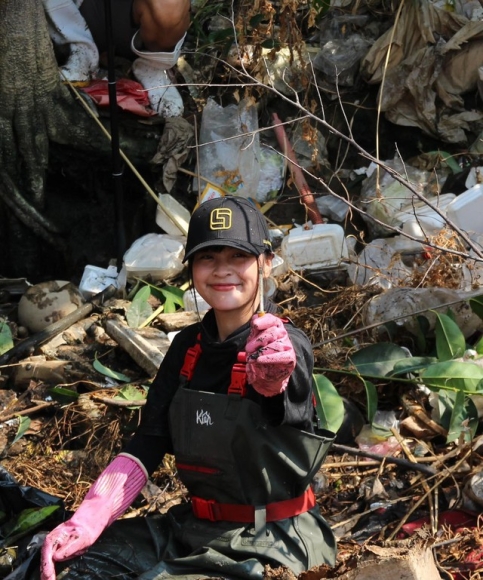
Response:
column 171, row 208
column 466, row 210
column 420, row 219
column 95, row 280
column 157, row 255
column 322, row 246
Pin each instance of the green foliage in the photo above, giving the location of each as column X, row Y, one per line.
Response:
column 377, row 360
column 329, row 404
column 6, row 340
column 131, row 393
column 24, row 424
column 450, row 341
column 453, row 377
column 173, row 297
column 100, row 368
column 321, row 7
column 63, row 395
column 26, row 521
column 139, row 309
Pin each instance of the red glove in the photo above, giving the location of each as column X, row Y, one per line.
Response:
column 108, row 498
column 270, row 355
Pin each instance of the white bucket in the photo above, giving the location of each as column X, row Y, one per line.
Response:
column 322, row 246
column 466, row 210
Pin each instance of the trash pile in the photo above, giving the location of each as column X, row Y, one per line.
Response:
column 382, row 272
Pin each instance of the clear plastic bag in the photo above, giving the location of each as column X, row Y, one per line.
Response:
column 230, row 147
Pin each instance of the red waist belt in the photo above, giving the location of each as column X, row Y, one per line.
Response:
column 209, row 509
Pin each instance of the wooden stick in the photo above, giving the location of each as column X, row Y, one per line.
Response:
column 397, row 460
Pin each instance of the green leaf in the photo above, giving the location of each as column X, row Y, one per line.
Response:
column 465, row 376
column 476, row 305
column 6, row 340
column 450, row 341
column 23, row 426
column 100, row 368
column 130, row 393
column 173, row 297
column 142, row 295
column 330, row 406
column 479, row 346
column 459, row 418
column 255, row 20
column 412, row 365
column 321, row 6
column 371, row 395
column 137, row 313
column 63, row 395
column 26, row 521
column 450, row 161
column 422, row 330
column 377, row 360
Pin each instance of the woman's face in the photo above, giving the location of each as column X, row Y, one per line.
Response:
column 227, row 278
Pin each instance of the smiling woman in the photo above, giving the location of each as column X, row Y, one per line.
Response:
column 233, row 402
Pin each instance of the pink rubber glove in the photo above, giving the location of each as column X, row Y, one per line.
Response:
column 270, row 355
column 108, row 498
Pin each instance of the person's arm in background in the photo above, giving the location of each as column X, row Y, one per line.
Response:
column 162, row 23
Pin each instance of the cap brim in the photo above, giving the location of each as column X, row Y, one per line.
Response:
column 245, row 246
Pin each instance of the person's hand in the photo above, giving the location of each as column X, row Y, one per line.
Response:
column 108, row 498
column 73, row 537
column 270, row 355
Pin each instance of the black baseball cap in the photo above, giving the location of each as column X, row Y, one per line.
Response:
column 228, row 221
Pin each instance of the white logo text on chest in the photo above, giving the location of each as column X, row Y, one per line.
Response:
column 203, row 418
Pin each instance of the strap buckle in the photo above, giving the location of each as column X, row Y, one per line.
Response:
column 203, row 508
column 191, row 358
column 238, row 384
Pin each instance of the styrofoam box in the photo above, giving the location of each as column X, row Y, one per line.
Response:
column 421, row 209
column 466, row 210
column 180, row 214
column 321, row 246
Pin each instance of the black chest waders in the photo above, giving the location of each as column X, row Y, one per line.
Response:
column 249, row 481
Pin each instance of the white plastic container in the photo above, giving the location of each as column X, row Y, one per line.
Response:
column 278, row 265
column 322, row 246
column 157, row 255
column 420, row 220
column 466, row 210
column 95, row 280
column 171, row 216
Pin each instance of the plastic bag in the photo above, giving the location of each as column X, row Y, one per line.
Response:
column 230, row 147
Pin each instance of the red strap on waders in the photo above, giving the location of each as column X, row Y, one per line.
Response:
column 208, row 509
column 238, row 383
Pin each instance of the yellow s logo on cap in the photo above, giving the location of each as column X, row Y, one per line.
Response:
column 220, row 219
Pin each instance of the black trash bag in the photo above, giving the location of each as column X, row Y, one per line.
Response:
column 24, row 511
